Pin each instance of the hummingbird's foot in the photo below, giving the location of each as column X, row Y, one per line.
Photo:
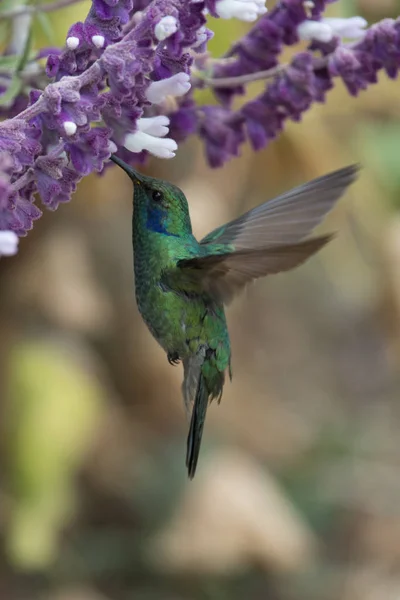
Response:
column 173, row 358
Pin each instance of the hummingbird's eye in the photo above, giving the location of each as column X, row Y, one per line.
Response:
column 157, row 196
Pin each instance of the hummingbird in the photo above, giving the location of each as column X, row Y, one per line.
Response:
column 182, row 285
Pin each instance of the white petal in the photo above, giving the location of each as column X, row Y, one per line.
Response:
column 327, row 28
column 70, row 127
column 245, row 10
column 315, row 30
column 157, row 126
column 135, row 142
column 161, row 147
column 8, row 243
column 177, row 85
column 164, row 148
column 112, row 148
column 352, row 27
column 201, row 37
column 262, row 9
column 72, row 42
column 98, row 40
column 137, row 17
column 166, row 27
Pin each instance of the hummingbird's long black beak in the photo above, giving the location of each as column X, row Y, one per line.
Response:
column 134, row 175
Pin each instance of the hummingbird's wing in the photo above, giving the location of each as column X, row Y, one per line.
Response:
column 268, row 239
column 221, row 276
column 288, row 218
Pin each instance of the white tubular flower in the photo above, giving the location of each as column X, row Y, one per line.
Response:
column 315, row 30
column 201, row 37
column 72, row 42
column 98, row 41
column 177, row 85
column 245, row 10
column 112, row 148
column 353, row 27
column 166, row 27
column 326, row 29
column 157, row 126
column 70, row 127
column 8, row 243
column 150, row 137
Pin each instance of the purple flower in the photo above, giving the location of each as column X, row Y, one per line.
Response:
column 259, row 50
column 25, row 211
column 346, row 63
column 123, row 83
column 296, row 88
column 55, row 180
column 17, row 208
column 291, row 94
column 121, row 117
column 125, row 66
column 90, row 150
column 184, row 121
column 358, row 66
column 102, row 26
column 191, row 20
column 264, row 120
column 20, row 140
column 8, row 220
column 69, row 106
column 103, row 12
column 222, row 133
column 382, row 43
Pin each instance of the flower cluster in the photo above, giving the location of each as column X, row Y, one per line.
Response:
column 124, row 84
column 109, row 88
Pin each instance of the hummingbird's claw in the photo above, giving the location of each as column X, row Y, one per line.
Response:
column 173, row 358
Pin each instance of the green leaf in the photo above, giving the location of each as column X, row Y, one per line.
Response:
column 12, row 91
column 46, row 27
column 26, row 53
column 4, row 32
column 7, row 5
column 56, row 405
column 9, row 63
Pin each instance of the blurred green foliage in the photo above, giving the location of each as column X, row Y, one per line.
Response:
column 54, row 410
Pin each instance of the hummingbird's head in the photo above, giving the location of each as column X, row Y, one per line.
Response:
column 162, row 205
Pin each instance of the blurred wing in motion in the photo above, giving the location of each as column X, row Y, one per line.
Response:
column 287, row 219
column 266, row 240
column 221, row 276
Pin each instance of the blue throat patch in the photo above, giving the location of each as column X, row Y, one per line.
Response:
column 156, row 217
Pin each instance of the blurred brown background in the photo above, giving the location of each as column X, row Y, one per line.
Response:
column 297, row 495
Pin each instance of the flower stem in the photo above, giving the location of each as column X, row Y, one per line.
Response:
column 31, row 111
column 231, row 82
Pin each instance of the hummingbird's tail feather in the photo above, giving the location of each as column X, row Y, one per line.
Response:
column 202, row 382
column 196, row 426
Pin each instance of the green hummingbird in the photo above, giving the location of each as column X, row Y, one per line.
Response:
column 182, row 285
